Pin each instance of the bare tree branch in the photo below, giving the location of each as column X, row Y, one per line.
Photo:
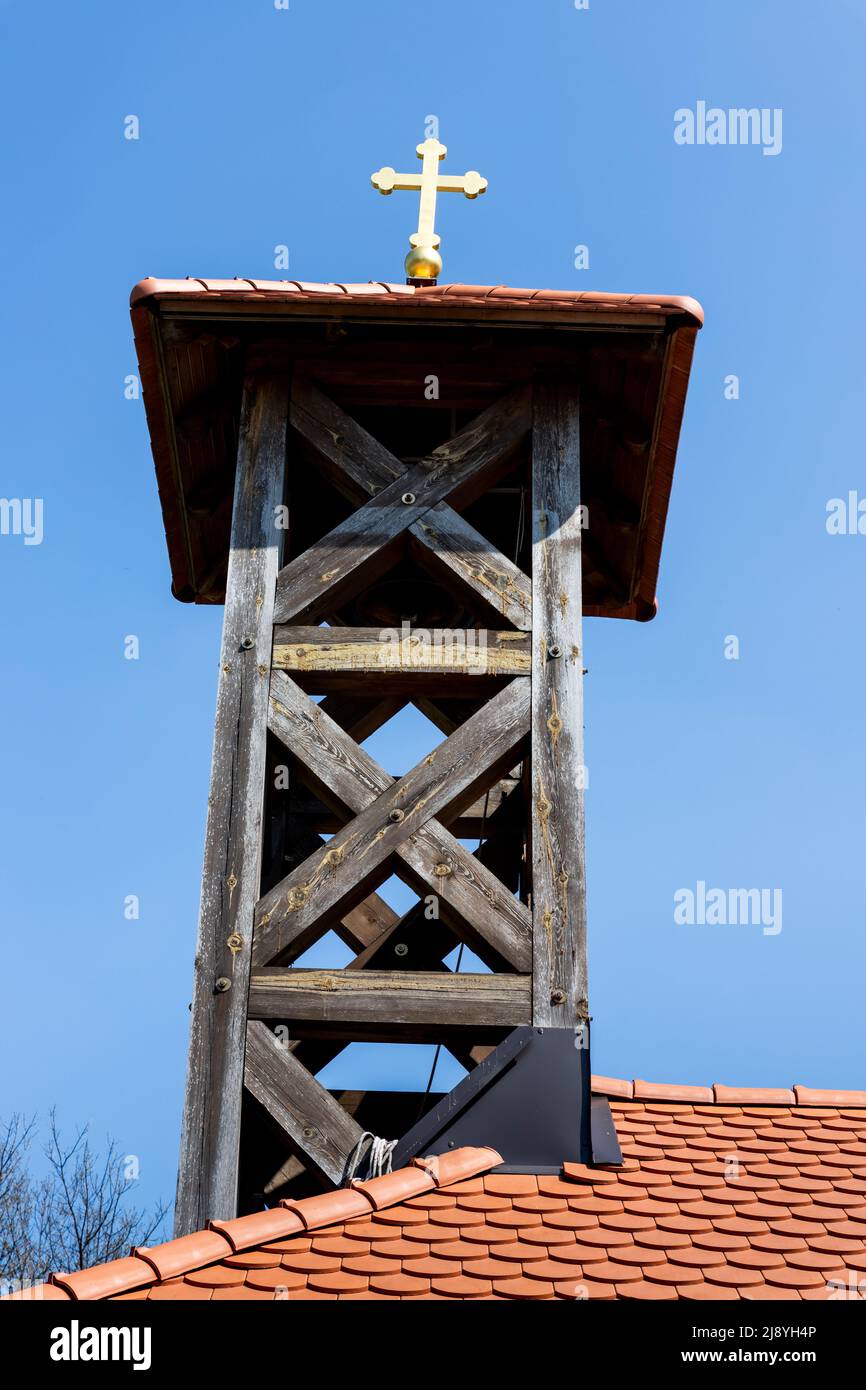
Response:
column 76, row 1216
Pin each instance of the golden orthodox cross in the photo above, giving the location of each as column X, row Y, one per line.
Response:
column 423, row 261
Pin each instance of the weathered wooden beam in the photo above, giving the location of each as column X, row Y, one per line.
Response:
column 326, row 659
column 374, row 1003
column 312, row 1120
column 477, row 905
column 364, row 545
column 207, row 1176
column 559, row 996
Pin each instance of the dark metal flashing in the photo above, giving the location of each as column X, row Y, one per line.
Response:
column 605, row 1144
column 529, row 1100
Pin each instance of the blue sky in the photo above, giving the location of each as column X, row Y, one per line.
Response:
column 261, row 127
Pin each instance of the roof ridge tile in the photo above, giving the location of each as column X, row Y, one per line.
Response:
column 720, row 1094
column 342, row 1204
column 504, row 296
column 101, row 1281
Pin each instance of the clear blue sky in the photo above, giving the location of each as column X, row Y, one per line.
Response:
column 261, row 127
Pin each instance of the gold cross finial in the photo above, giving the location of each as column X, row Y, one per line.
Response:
column 423, row 261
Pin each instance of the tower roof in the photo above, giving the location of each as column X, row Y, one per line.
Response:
column 371, row 344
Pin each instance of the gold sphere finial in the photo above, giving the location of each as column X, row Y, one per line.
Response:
column 423, row 263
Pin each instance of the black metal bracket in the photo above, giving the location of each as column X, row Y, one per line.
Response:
column 530, row 1100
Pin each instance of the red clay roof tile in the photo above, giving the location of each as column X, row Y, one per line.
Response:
column 189, row 1252
column 394, row 1187
column 329, row 1208
column 244, row 1232
column 752, row 1095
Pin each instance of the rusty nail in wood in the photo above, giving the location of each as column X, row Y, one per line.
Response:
column 442, row 870
column 396, row 815
column 407, row 499
column 222, row 984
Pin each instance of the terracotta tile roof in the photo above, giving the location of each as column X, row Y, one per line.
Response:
column 723, row 1193
column 499, row 297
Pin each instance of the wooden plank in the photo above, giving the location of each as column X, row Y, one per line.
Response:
column 301, row 907
column 365, row 544
column 458, row 555
column 313, row 1121
column 327, row 659
column 207, row 1177
column 379, row 1000
column 557, row 816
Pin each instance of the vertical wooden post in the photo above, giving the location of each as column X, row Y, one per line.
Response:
column 207, row 1176
column 559, row 990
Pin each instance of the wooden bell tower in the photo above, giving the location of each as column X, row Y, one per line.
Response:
column 401, row 493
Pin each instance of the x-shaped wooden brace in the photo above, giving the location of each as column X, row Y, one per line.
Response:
column 397, row 500
column 396, row 819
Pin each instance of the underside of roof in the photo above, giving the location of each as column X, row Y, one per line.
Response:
column 723, row 1193
column 372, row 348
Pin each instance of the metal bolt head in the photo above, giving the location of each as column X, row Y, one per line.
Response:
column 396, row 815
column 247, row 644
column 408, row 499
column 222, row 984
column 555, row 650
column 401, row 949
column 557, row 996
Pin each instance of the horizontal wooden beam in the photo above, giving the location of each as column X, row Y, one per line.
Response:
column 373, row 1003
column 326, row 659
column 315, row 1123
